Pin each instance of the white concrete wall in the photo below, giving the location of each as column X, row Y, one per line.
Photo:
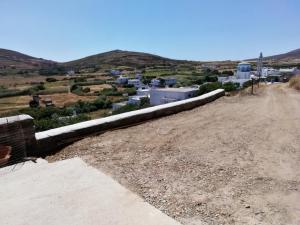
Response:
column 158, row 96
column 243, row 75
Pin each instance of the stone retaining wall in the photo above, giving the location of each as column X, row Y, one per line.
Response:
column 18, row 134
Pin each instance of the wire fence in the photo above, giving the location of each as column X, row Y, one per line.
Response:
column 12, row 142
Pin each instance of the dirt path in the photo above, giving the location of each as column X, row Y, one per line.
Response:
column 233, row 161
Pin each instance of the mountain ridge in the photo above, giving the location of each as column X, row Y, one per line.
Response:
column 15, row 61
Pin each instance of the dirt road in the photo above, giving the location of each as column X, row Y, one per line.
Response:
column 233, row 161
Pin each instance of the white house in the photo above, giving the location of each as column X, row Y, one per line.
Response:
column 155, row 82
column 243, row 70
column 293, row 71
column 135, row 100
column 160, row 96
column 143, row 92
column 266, row 71
column 242, row 75
column 115, row 72
column 138, row 76
column 70, row 73
column 135, row 82
column 118, row 105
column 122, row 80
column 169, row 81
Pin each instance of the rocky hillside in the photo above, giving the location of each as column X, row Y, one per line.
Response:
column 12, row 60
column 292, row 55
column 122, row 58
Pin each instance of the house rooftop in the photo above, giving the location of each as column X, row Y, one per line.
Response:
column 184, row 89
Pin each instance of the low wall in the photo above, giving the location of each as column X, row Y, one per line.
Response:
column 54, row 139
column 17, row 133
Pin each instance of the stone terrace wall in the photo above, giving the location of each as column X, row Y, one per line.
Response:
column 54, row 139
column 18, row 134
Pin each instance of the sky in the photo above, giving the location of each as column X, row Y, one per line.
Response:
column 64, row 30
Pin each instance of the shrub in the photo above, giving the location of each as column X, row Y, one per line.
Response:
column 53, row 91
column 247, row 84
column 208, row 78
column 199, row 81
column 128, row 85
column 126, row 108
column 295, row 82
column 86, row 90
column 229, row 86
column 110, row 92
column 79, row 79
column 94, row 82
column 227, row 72
column 51, row 79
column 56, row 121
column 102, row 103
column 10, row 93
column 208, row 87
column 145, row 102
column 130, row 91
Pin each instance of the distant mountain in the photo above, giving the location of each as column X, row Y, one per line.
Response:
column 122, row 58
column 17, row 61
column 289, row 56
column 295, row 54
column 12, row 62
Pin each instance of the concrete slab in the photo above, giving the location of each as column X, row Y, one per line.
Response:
column 70, row 192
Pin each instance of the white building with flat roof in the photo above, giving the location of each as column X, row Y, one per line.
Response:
column 118, row 105
column 169, row 81
column 155, row 82
column 143, row 92
column 122, row 80
column 160, row 96
column 135, row 82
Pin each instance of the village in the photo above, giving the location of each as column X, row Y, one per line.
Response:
column 162, row 90
column 81, row 95
column 129, row 112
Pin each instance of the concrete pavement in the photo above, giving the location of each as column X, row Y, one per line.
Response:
column 70, row 192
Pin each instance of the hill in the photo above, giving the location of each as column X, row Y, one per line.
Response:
column 289, row 56
column 122, row 58
column 12, row 60
column 292, row 55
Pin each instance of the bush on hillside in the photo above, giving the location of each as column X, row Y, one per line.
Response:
column 56, row 121
column 51, row 79
column 208, row 87
column 86, row 90
column 295, row 82
column 229, row 86
column 227, row 72
column 126, row 108
column 208, row 78
column 247, row 84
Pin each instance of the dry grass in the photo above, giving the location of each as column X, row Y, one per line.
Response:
column 18, row 102
column 13, row 103
column 64, row 99
column 295, row 82
column 98, row 87
column 18, row 80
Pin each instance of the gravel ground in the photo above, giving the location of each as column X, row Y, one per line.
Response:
column 233, row 161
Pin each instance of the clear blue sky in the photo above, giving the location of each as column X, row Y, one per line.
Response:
column 64, row 30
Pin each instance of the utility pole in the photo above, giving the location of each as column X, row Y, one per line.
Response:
column 253, row 77
column 259, row 67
